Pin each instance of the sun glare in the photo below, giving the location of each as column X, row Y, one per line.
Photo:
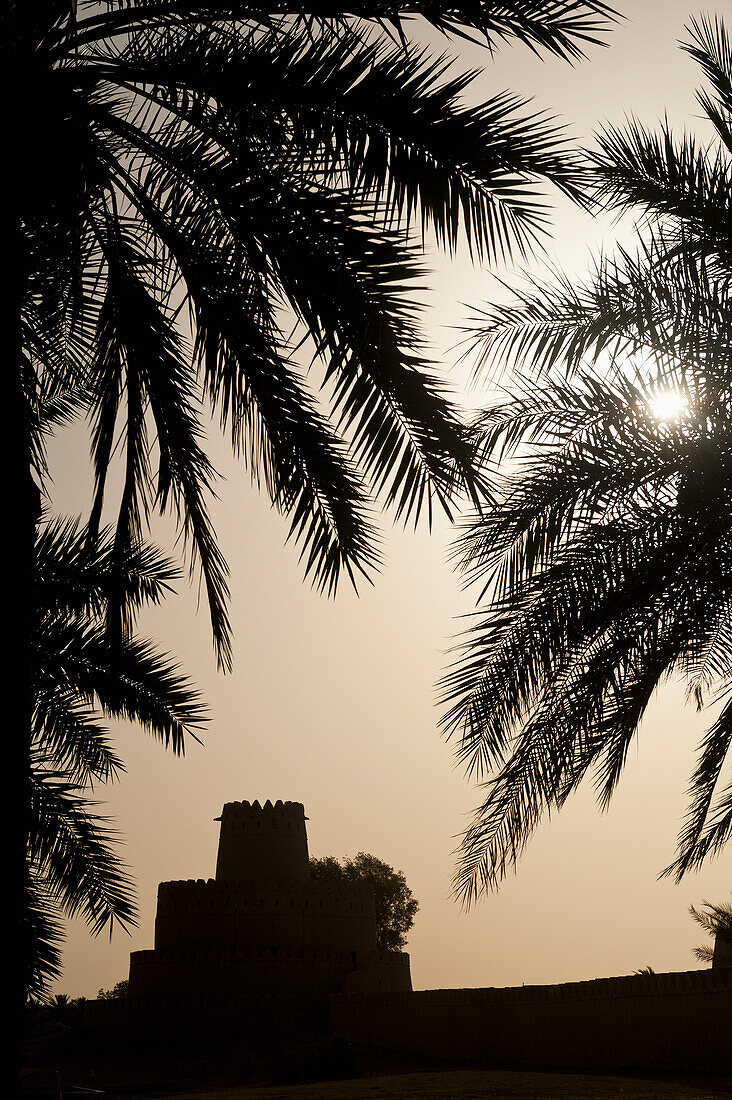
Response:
column 668, row 405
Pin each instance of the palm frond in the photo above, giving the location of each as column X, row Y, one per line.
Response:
column 72, row 739
column 80, row 675
column 679, row 181
column 126, row 679
column 715, row 920
column 47, row 936
column 604, row 568
column 76, row 572
column 73, row 850
column 659, row 301
column 711, row 47
column 562, row 27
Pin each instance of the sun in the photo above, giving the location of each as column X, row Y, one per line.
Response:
column 668, row 405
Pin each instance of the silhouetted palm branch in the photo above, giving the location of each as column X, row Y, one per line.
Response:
column 80, row 676
column 604, row 555
column 674, row 292
column 682, row 181
column 563, row 27
column 198, row 190
column 713, row 919
column 46, row 936
column 250, row 166
column 605, row 559
column 657, row 301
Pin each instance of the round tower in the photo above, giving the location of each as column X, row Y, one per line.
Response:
column 263, row 844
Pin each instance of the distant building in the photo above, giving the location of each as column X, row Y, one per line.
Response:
column 259, row 943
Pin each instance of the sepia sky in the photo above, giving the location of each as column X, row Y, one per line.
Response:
column 332, row 703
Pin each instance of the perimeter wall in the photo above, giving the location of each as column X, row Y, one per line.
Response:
column 677, row 1022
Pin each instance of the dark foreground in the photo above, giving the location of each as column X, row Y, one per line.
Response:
column 468, row 1084
column 379, row 1076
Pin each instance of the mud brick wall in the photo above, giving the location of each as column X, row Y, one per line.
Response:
column 676, row 1022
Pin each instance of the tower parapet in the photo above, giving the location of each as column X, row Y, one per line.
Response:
column 263, row 844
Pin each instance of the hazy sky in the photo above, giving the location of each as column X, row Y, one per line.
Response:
column 331, row 703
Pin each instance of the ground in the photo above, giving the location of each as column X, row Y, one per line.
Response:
column 386, row 1078
column 472, row 1084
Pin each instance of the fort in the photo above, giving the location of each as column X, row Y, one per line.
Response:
column 260, row 944
column 263, row 947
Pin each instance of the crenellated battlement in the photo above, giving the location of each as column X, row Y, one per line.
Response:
column 296, row 810
column 238, row 817
column 314, row 893
column 251, row 954
column 181, row 885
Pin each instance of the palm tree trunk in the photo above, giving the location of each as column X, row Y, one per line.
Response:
column 22, row 514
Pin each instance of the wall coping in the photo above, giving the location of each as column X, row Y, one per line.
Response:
column 151, row 956
column 714, row 980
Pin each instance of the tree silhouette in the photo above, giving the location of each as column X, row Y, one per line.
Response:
column 197, row 188
column 715, row 920
column 396, row 906
column 603, row 552
column 80, row 676
column 252, row 172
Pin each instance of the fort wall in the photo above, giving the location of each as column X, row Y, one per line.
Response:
column 212, row 914
column 263, row 972
column 206, row 1016
column 204, row 993
column 672, row 1022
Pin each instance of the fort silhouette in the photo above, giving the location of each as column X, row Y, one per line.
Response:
column 260, row 942
column 263, row 948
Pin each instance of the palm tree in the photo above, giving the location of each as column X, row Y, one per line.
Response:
column 80, row 676
column 192, row 160
column 197, row 188
column 604, row 551
column 716, row 920
column 195, row 154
